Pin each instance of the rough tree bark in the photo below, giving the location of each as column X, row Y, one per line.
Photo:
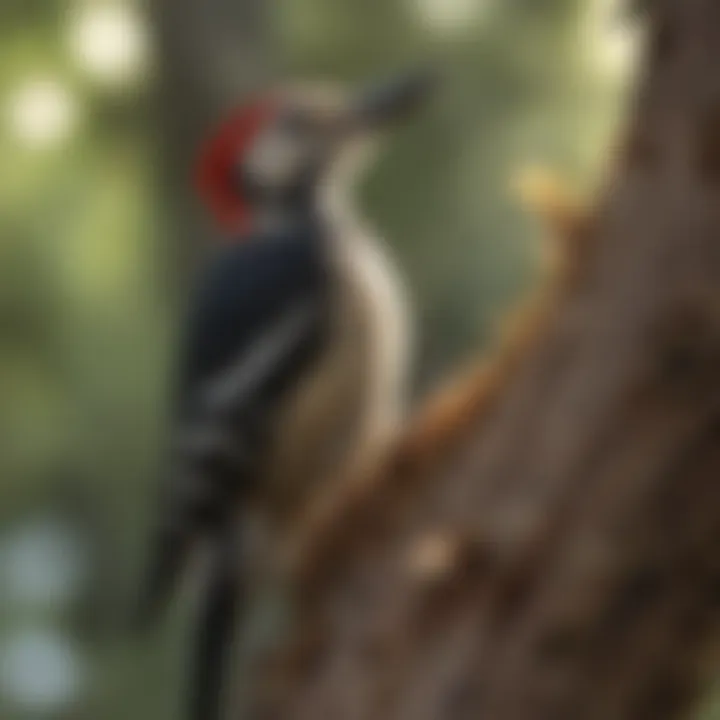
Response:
column 555, row 556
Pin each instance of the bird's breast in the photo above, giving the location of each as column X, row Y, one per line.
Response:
column 342, row 412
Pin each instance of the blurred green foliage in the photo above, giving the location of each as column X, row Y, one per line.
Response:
column 87, row 309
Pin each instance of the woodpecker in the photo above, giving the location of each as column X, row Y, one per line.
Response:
column 295, row 356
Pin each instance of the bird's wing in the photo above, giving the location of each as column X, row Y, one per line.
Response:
column 253, row 302
column 258, row 317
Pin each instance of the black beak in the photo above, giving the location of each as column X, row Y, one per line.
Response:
column 394, row 99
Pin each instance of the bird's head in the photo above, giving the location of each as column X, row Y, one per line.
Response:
column 275, row 153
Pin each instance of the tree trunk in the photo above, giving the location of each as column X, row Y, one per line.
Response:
column 558, row 559
column 210, row 54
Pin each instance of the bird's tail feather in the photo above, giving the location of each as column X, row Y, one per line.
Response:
column 211, row 652
column 170, row 541
column 162, row 575
column 190, row 498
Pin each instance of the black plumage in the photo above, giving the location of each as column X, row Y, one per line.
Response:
column 246, row 288
column 257, row 318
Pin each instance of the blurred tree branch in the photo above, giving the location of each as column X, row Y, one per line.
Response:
column 211, row 53
column 544, row 543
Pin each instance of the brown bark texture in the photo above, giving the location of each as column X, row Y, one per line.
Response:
column 554, row 554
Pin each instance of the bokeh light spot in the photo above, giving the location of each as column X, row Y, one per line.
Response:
column 42, row 112
column 42, row 564
column 109, row 42
column 448, row 17
column 613, row 40
column 40, row 671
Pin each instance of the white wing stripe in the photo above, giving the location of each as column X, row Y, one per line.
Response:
column 253, row 366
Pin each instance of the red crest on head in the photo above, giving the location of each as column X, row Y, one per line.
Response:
column 214, row 177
